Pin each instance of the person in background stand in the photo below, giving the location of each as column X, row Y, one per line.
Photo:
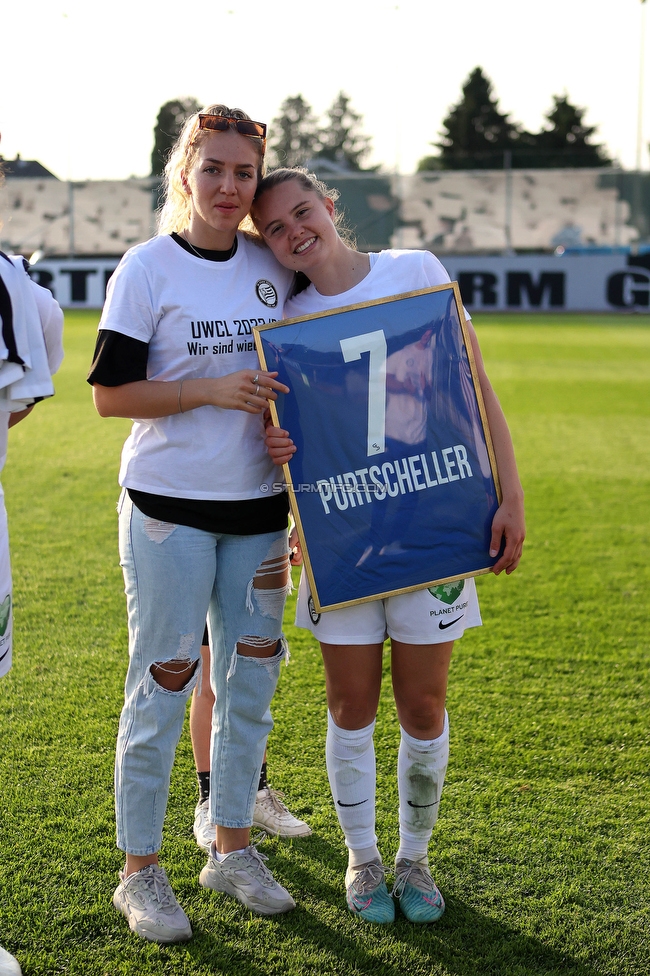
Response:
column 295, row 214
column 270, row 813
column 30, row 353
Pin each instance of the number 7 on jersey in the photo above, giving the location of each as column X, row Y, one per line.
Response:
column 375, row 344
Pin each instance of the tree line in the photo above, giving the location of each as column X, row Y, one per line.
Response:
column 475, row 134
column 296, row 136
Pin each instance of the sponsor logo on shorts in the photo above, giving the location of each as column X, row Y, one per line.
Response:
column 315, row 617
column 266, row 293
column 447, row 592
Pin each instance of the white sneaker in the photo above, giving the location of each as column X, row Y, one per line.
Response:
column 272, row 816
column 146, row 899
column 204, row 831
column 8, row 964
column 244, row 875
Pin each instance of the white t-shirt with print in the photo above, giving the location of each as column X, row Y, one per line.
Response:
column 391, row 273
column 196, row 316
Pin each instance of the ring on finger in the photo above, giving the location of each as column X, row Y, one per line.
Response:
column 257, row 388
column 256, row 377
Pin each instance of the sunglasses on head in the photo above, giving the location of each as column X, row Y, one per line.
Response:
column 223, row 122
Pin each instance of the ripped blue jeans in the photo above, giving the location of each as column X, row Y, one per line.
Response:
column 173, row 576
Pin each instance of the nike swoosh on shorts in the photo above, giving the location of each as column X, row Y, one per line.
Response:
column 451, row 622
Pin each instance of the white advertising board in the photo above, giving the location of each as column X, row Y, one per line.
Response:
column 567, row 283
column 75, row 282
column 541, row 283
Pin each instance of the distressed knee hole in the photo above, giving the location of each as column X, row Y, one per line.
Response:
column 251, row 646
column 158, row 531
column 272, row 582
column 173, row 675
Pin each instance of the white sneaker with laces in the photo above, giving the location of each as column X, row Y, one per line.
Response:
column 9, row 965
column 147, row 901
column 204, row 831
column 272, row 816
column 245, row 876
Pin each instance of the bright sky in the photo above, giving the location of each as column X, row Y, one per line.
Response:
column 83, row 81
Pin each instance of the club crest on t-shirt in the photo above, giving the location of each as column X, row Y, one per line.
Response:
column 266, row 293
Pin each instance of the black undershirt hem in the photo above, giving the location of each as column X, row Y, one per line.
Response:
column 118, row 359
column 250, row 516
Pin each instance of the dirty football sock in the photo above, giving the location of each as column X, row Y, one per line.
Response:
column 421, row 768
column 350, row 756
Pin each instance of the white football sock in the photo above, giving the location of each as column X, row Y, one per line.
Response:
column 350, row 756
column 421, row 768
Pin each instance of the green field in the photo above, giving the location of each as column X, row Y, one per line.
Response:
column 542, row 848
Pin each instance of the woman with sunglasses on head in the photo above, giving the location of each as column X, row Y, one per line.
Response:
column 295, row 214
column 201, row 531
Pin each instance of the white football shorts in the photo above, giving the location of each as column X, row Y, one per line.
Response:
column 441, row 613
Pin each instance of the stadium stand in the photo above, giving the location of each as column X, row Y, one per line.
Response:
column 469, row 211
column 108, row 216
column 448, row 212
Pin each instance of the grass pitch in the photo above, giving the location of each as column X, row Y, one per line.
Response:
column 541, row 849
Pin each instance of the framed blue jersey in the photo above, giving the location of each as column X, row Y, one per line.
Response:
column 393, row 486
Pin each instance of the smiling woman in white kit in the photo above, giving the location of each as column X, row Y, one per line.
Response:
column 295, row 214
column 200, row 530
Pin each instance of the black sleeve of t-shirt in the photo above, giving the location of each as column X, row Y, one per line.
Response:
column 7, row 317
column 118, row 359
